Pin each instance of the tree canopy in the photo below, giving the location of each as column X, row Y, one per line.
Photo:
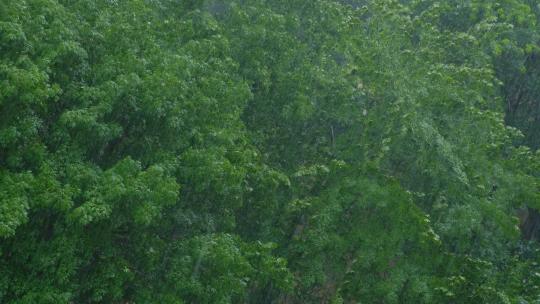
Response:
column 269, row 151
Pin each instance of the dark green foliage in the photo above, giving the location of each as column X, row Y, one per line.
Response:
column 160, row 151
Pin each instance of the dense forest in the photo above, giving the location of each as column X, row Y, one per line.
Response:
column 269, row 151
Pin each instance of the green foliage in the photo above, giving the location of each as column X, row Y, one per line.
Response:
column 160, row 151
